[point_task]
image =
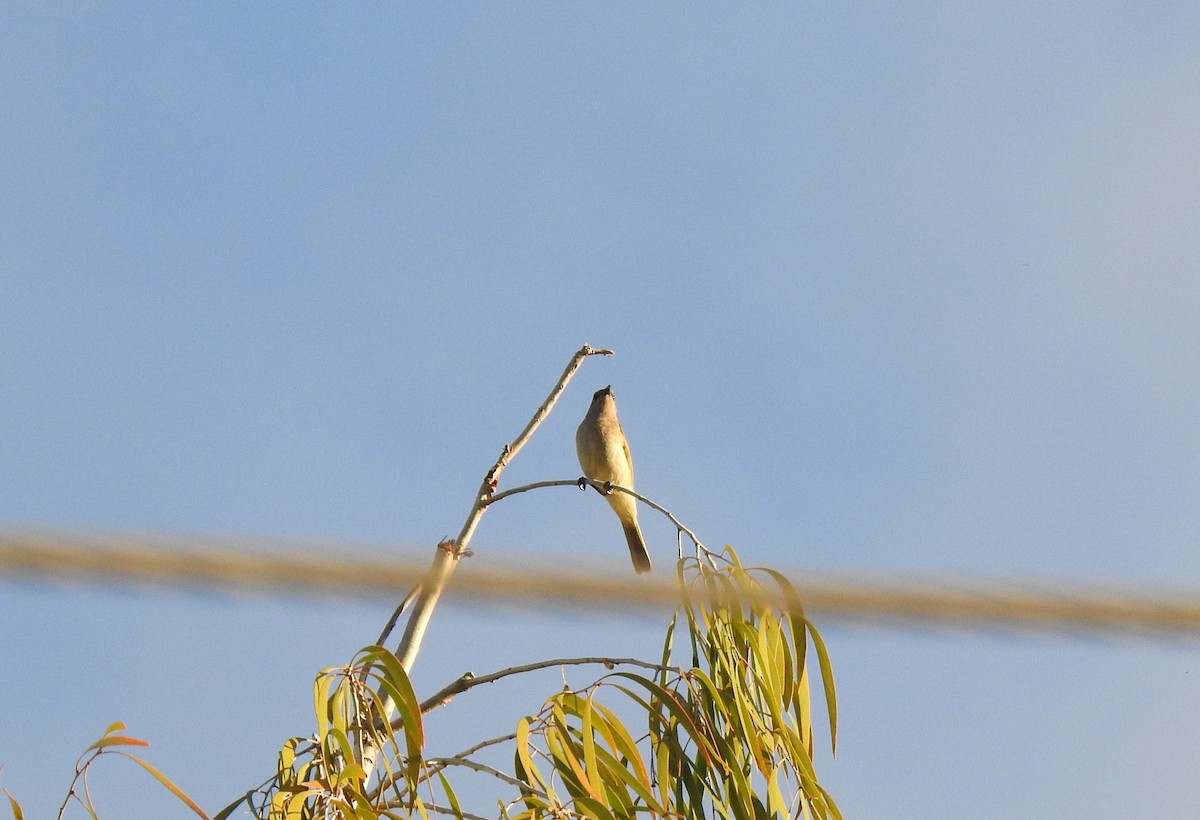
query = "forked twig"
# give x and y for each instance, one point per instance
(449, 552)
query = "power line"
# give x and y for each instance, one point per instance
(240, 566)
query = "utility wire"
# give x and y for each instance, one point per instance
(228, 565)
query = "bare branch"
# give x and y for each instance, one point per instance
(510, 450)
(604, 488)
(537, 485)
(483, 744)
(450, 551)
(434, 807)
(470, 681)
(443, 762)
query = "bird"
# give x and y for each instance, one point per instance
(604, 456)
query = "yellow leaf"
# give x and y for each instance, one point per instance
(117, 740)
(826, 682)
(15, 806)
(166, 782)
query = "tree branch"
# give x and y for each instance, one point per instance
(443, 762)
(604, 488)
(483, 744)
(470, 681)
(434, 807)
(449, 552)
(437, 764)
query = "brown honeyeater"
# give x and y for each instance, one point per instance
(604, 456)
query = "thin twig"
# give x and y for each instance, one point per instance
(483, 744)
(470, 681)
(443, 762)
(391, 624)
(604, 488)
(434, 807)
(387, 781)
(537, 485)
(510, 450)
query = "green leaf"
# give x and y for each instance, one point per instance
(678, 710)
(530, 773)
(794, 612)
(451, 797)
(826, 682)
(776, 803)
(622, 742)
(350, 773)
(227, 812)
(287, 754)
(166, 782)
(338, 746)
(337, 712)
(771, 655)
(591, 767)
(621, 773)
(321, 703)
(417, 804)
(399, 687)
(594, 809)
(668, 646)
(565, 755)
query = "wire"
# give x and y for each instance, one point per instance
(240, 566)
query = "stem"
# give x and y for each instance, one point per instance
(443, 762)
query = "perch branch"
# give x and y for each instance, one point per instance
(604, 488)
(448, 553)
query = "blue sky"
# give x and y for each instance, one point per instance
(899, 290)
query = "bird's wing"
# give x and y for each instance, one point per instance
(628, 458)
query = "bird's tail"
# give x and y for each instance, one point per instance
(637, 549)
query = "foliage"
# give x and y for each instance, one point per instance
(728, 712)
(728, 727)
(728, 735)
(326, 776)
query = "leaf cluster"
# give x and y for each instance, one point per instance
(728, 734)
(325, 775)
